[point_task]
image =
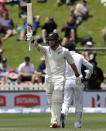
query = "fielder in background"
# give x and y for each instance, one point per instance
(72, 89)
(55, 59)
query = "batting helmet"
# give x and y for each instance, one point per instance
(53, 36)
(70, 46)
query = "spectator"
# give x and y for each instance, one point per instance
(70, 31)
(89, 55)
(12, 2)
(6, 26)
(4, 70)
(94, 83)
(1, 50)
(104, 33)
(48, 27)
(97, 77)
(59, 3)
(24, 30)
(42, 69)
(81, 11)
(103, 2)
(23, 7)
(2, 31)
(0, 42)
(1, 13)
(12, 76)
(26, 71)
(3, 7)
(72, 14)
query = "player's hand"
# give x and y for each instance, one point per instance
(79, 80)
(88, 74)
(29, 37)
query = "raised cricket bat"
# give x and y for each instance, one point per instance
(29, 21)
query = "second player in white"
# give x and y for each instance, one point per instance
(73, 90)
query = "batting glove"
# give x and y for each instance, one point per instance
(87, 74)
(29, 37)
(79, 80)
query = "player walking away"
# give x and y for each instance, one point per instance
(55, 59)
(72, 89)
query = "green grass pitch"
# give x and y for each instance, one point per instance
(41, 122)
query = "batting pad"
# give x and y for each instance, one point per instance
(65, 108)
(56, 106)
(49, 95)
(78, 116)
(78, 99)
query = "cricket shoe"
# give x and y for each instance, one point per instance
(54, 125)
(78, 124)
(63, 120)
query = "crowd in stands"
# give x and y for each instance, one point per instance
(26, 71)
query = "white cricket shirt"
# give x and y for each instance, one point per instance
(56, 60)
(78, 60)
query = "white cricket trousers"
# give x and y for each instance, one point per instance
(54, 91)
(72, 91)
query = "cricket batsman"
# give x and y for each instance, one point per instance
(72, 89)
(55, 59)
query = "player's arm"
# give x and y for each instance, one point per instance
(70, 61)
(35, 45)
(78, 76)
(89, 67)
(73, 66)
